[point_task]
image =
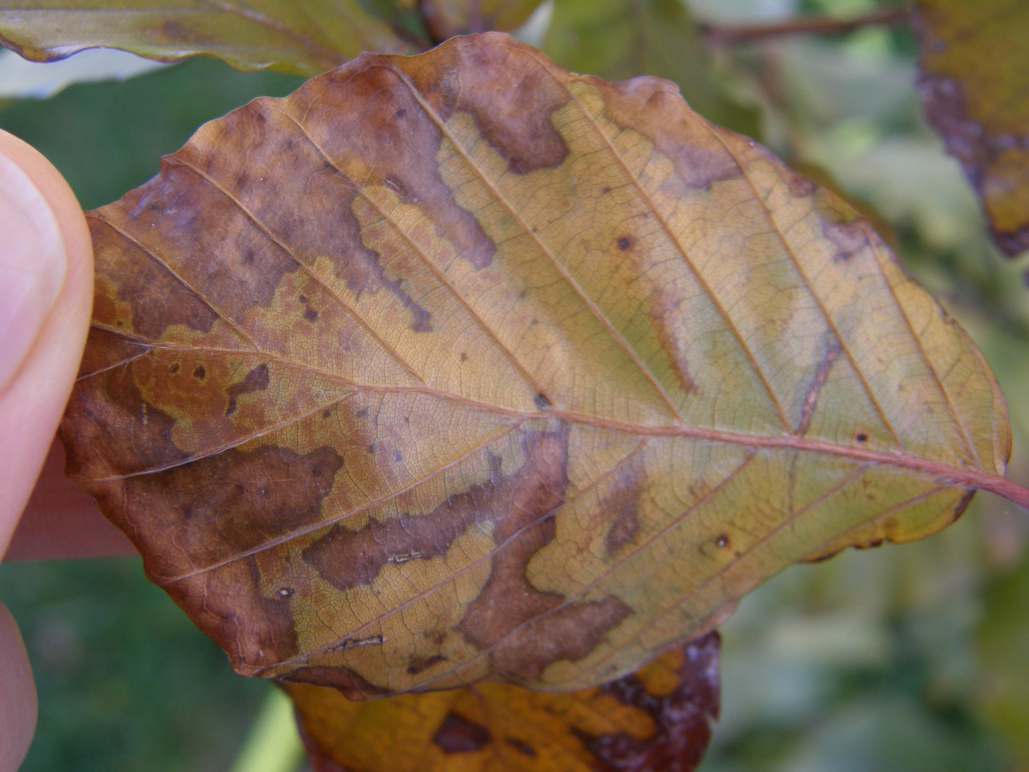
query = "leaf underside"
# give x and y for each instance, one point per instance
(461, 367)
(657, 719)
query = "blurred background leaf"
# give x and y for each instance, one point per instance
(975, 74)
(445, 18)
(298, 36)
(618, 39)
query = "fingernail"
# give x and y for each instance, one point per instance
(32, 266)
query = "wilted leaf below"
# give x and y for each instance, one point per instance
(459, 367)
(657, 719)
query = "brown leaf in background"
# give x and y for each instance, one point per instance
(657, 719)
(459, 367)
(975, 87)
(446, 18)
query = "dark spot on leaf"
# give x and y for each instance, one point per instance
(624, 242)
(199, 372)
(398, 456)
(459, 735)
(173, 368)
(522, 747)
(464, 356)
(310, 314)
(420, 665)
(541, 401)
(861, 437)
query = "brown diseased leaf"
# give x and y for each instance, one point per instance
(657, 719)
(303, 37)
(460, 367)
(975, 87)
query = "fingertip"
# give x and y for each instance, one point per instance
(49, 251)
(62, 201)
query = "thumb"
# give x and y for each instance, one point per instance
(46, 291)
(46, 288)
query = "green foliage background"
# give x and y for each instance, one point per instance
(902, 658)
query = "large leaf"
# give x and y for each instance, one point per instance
(299, 36)
(657, 719)
(975, 74)
(458, 366)
(623, 38)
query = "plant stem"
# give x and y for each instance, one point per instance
(272, 744)
(815, 25)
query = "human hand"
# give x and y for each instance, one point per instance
(46, 293)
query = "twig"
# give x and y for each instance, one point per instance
(815, 25)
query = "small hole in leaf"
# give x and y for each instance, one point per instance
(722, 541)
(285, 592)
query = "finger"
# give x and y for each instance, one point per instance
(46, 289)
(62, 521)
(17, 695)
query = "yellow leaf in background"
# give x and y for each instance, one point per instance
(657, 719)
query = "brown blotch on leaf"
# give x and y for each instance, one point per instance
(850, 238)
(519, 126)
(256, 380)
(348, 558)
(422, 664)
(459, 735)
(155, 294)
(624, 500)
(113, 406)
(523, 628)
(350, 683)
(217, 506)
